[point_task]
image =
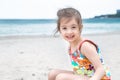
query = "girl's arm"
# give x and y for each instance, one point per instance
(89, 50)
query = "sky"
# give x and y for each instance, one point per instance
(44, 9)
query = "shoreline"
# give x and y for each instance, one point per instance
(56, 36)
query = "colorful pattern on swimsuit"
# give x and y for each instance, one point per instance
(81, 65)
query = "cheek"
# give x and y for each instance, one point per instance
(63, 34)
(77, 32)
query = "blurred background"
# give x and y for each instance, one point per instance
(38, 17)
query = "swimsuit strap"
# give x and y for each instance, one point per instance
(79, 48)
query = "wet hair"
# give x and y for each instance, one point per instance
(68, 13)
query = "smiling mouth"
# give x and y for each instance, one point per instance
(70, 37)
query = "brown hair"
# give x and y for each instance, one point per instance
(68, 13)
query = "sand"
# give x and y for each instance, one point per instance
(32, 57)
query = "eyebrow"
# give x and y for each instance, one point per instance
(63, 26)
(71, 25)
(74, 24)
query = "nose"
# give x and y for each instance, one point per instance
(69, 31)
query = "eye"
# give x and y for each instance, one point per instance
(64, 28)
(73, 27)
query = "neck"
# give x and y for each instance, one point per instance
(75, 44)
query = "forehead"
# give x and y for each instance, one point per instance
(68, 20)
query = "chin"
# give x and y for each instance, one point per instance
(70, 40)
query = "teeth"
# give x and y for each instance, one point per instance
(70, 36)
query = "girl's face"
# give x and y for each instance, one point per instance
(69, 29)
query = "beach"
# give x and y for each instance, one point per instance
(33, 57)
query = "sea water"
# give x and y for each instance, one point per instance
(16, 27)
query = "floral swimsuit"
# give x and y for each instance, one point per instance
(82, 66)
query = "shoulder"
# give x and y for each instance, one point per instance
(88, 47)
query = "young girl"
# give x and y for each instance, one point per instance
(85, 55)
